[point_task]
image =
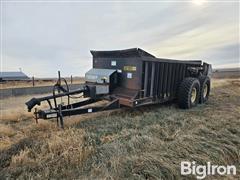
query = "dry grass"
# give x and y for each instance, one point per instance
(6, 131)
(13, 109)
(145, 143)
(14, 115)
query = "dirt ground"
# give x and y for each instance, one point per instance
(143, 143)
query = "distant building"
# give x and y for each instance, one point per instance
(13, 76)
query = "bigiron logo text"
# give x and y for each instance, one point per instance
(201, 171)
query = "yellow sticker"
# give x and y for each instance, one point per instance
(129, 68)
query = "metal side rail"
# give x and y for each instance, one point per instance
(74, 109)
(37, 101)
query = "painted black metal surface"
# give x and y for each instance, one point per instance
(135, 64)
(161, 79)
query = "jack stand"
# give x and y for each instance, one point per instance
(60, 115)
(36, 115)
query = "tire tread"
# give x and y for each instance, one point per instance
(184, 92)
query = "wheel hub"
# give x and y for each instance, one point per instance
(205, 90)
(193, 95)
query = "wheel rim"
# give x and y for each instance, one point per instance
(193, 95)
(205, 90)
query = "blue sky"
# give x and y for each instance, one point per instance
(44, 37)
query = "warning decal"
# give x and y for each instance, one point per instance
(129, 68)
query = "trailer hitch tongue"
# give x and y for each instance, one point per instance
(31, 103)
(37, 101)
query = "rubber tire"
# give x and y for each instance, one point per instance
(204, 80)
(185, 90)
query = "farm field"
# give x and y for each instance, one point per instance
(38, 82)
(143, 143)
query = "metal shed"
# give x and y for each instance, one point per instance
(13, 76)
